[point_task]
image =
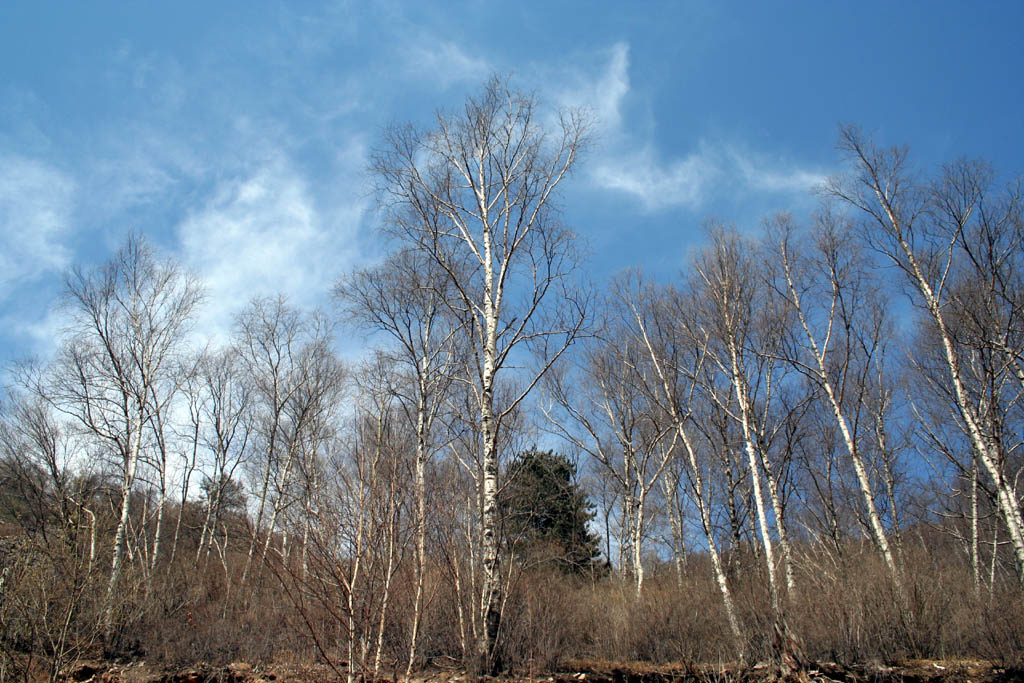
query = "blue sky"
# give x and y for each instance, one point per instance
(235, 134)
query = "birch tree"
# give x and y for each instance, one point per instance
(603, 410)
(226, 424)
(287, 356)
(838, 339)
(129, 320)
(474, 194)
(744, 333)
(405, 298)
(677, 352)
(938, 235)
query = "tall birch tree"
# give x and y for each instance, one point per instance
(405, 298)
(933, 232)
(677, 350)
(129, 321)
(744, 335)
(603, 410)
(475, 194)
(838, 338)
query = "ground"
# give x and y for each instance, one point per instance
(916, 671)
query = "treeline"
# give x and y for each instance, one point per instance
(807, 447)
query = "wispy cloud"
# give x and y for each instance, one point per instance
(36, 204)
(656, 184)
(155, 77)
(264, 234)
(710, 172)
(629, 162)
(39, 331)
(759, 172)
(444, 62)
(600, 93)
(143, 166)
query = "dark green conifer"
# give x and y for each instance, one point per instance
(546, 514)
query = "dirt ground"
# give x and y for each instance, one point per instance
(578, 672)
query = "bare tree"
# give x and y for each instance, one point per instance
(286, 355)
(129, 320)
(405, 298)
(603, 410)
(677, 352)
(166, 440)
(37, 453)
(475, 195)
(744, 333)
(50, 603)
(840, 335)
(225, 421)
(947, 238)
(354, 539)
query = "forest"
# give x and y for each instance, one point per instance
(804, 448)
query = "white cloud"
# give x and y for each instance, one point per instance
(41, 329)
(629, 162)
(709, 172)
(601, 94)
(36, 203)
(444, 63)
(761, 173)
(261, 235)
(659, 185)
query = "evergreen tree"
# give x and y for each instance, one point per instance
(545, 513)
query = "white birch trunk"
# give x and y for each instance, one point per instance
(92, 539)
(780, 526)
(491, 594)
(389, 572)
(626, 531)
(739, 387)
(638, 556)
(204, 530)
(992, 564)
(459, 597)
(1006, 498)
(158, 532)
(705, 520)
(975, 551)
(823, 378)
(421, 529)
(122, 528)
